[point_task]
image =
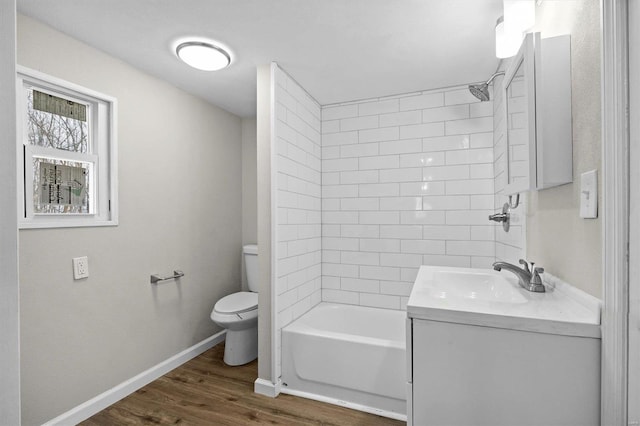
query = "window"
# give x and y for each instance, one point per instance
(67, 137)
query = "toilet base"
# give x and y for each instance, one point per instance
(241, 346)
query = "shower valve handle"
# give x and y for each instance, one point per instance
(499, 217)
(503, 217)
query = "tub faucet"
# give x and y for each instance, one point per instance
(529, 279)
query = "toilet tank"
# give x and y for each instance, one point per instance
(250, 252)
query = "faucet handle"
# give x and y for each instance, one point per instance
(535, 278)
(525, 265)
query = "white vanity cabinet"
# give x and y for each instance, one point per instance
(537, 115)
(482, 357)
(473, 375)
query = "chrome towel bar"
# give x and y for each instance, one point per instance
(176, 274)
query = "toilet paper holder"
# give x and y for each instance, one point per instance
(155, 278)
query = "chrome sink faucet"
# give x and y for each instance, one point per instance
(528, 278)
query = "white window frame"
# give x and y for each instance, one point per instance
(102, 154)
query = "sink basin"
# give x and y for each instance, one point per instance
(485, 286)
(485, 297)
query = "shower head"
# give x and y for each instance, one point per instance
(481, 91)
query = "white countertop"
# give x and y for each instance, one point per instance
(562, 309)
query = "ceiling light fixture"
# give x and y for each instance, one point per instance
(203, 56)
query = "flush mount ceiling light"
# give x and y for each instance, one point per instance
(203, 56)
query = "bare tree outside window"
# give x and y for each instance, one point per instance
(51, 130)
(68, 139)
(79, 185)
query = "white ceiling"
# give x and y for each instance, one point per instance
(339, 50)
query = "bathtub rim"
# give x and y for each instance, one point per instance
(298, 326)
(346, 337)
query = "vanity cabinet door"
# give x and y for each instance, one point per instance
(476, 375)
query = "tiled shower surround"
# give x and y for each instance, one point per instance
(298, 232)
(509, 245)
(406, 181)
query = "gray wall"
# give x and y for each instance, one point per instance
(249, 182)
(180, 188)
(557, 238)
(249, 187)
(9, 288)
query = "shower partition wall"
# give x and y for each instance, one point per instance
(297, 202)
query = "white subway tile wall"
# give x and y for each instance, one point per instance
(406, 181)
(299, 198)
(510, 246)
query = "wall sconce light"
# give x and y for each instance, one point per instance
(519, 17)
(506, 45)
(203, 56)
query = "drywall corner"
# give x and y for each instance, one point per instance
(263, 138)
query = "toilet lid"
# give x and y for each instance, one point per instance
(237, 302)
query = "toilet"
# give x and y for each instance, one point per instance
(238, 314)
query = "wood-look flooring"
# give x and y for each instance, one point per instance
(205, 391)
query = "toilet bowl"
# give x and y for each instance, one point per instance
(238, 314)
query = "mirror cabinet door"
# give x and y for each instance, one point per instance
(517, 152)
(519, 107)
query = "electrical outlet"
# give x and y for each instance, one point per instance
(80, 267)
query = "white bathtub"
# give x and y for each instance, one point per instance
(348, 355)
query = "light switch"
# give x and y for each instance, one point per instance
(589, 195)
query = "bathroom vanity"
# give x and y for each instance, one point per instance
(482, 350)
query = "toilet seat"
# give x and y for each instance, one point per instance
(237, 303)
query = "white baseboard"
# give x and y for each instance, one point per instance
(351, 405)
(266, 388)
(115, 394)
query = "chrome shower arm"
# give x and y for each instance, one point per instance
(494, 76)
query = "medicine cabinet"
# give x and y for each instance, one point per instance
(537, 115)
